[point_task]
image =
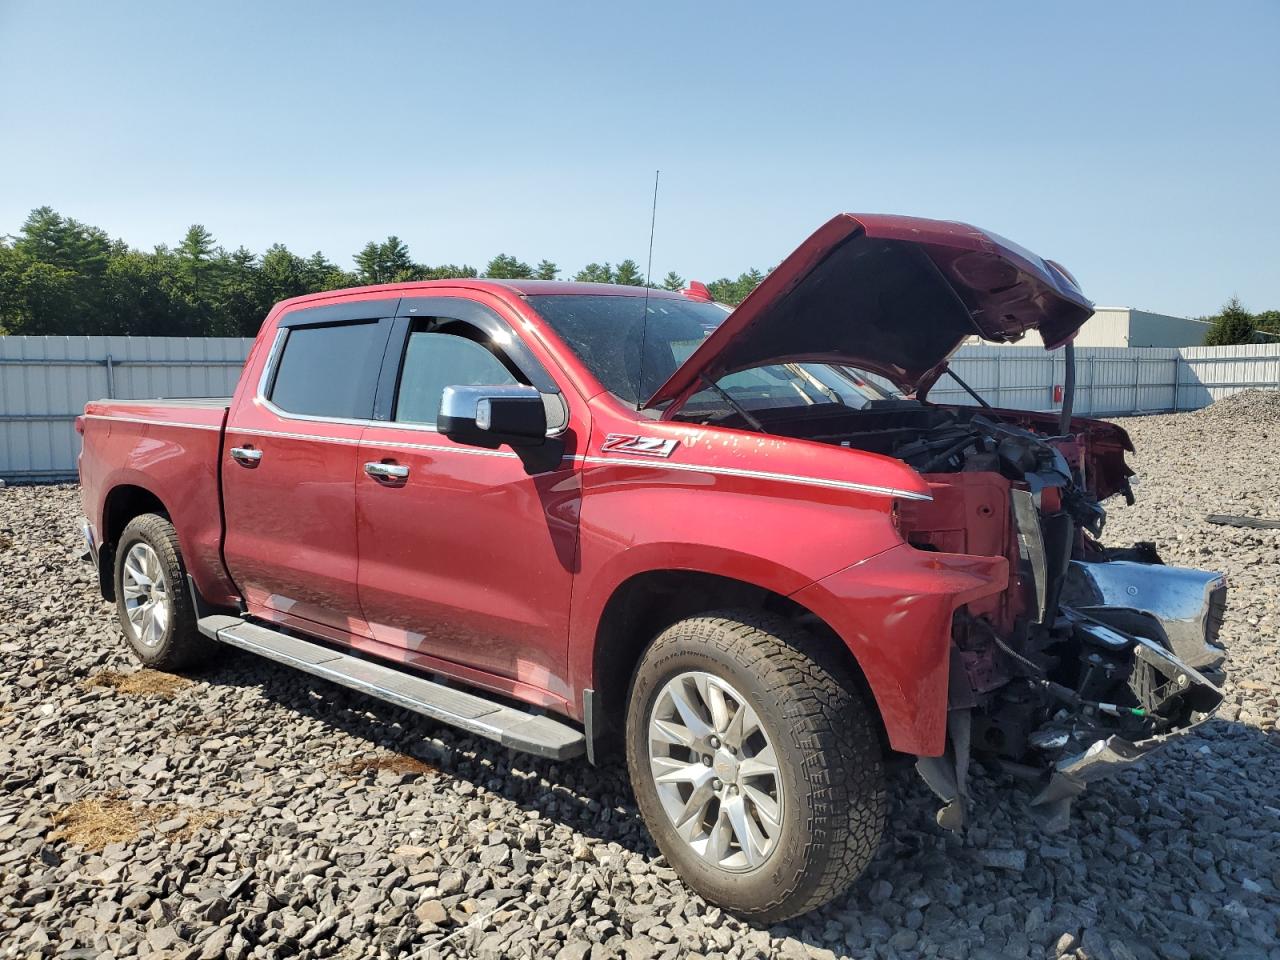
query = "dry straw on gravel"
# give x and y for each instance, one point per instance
(95, 822)
(142, 683)
(393, 762)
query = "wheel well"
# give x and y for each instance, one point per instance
(123, 503)
(648, 603)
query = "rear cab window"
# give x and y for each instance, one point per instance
(329, 370)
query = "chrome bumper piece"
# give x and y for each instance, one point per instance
(1104, 758)
(1187, 604)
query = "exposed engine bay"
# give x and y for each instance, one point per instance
(1094, 655)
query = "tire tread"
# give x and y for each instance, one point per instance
(185, 647)
(833, 731)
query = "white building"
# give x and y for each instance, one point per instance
(1128, 327)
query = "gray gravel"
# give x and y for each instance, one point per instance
(254, 812)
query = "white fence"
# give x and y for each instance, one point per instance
(1111, 381)
(46, 381)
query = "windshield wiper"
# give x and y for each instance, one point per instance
(800, 372)
(738, 408)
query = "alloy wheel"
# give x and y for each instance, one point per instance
(715, 770)
(146, 595)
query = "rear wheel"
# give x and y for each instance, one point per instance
(152, 602)
(755, 762)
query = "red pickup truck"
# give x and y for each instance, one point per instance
(740, 546)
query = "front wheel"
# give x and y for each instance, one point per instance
(755, 762)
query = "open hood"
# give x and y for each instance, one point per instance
(893, 295)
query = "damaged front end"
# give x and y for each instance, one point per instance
(1094, 657)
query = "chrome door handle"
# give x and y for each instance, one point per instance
(247, 456)
(391, 471)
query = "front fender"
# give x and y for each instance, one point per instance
(893, 611)
(776, 536)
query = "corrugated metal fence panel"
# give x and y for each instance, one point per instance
(1111, 380)
(1210, 373)
(1116, 380)
(1108, 379)
(46, 381)
(1018, 377)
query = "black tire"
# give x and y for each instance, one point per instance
(180, 645)
(827, 746)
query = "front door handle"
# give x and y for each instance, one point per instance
(389, 471)
(246, 456)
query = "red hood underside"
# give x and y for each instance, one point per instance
(893, 295)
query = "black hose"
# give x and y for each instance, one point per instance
(1068, 387)
(939, 459)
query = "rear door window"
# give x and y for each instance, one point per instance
(330, 371)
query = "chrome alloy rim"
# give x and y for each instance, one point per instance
(716, 772)
(146, 597)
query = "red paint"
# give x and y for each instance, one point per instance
(697, 290)
(171, 454)
(475, 568)
(470, 560)
(1007, 291)
(894, 611)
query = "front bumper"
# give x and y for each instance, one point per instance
(1071, 774)
(1103, 758)
(1187, 605)
(1166, 619)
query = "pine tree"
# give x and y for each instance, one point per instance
(506, 267)
(1233, 324)
(673, 282)
(195, 253)
(595, 273)
(628, 273)
(545, 270)
(384, 262)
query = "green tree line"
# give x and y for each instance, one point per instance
(1234, 324)
(61, 276)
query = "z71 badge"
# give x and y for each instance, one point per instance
(643, 446)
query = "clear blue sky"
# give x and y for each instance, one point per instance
(1137, 143)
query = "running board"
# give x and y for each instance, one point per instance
(532, 733)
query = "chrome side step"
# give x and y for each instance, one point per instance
(532, 733)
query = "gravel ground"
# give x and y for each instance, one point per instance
(253, 812)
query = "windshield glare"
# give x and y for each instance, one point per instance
(632, 359)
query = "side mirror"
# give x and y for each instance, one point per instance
(489, 416)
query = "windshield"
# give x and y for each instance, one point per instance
(606, 333)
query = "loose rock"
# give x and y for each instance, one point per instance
(255, 802)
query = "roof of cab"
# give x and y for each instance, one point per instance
(523, 288)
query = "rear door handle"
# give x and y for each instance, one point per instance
(246, 456)
(390, 471)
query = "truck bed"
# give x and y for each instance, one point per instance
(168, 451)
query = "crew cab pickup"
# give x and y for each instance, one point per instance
(741, 548)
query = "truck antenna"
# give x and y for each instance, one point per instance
(644, 320)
